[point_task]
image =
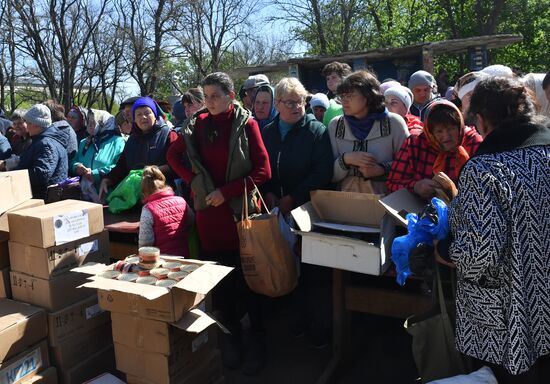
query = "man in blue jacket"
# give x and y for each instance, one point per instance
(46, 158)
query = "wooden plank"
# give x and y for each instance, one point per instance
(385, 302)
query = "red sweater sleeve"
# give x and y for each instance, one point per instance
(402, 173)
(261, 171)
(174, 156)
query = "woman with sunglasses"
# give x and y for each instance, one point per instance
(366, 138)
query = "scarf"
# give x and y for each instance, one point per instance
(460, 154)
(362, 127)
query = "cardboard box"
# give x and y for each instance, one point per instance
(16, 189)
(48, 376)
(21, 325)
(99, 362)
(191, 333)
(53, 295)
(57, 260)
(25, 365)
(160, 369)
(209, 372)
(400, 203)
(5, 287)
(4, 226)
(56, 223)
(72, 351)
(76, 319)
(152, 302)
(105, 378)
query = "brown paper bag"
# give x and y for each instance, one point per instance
(267, 261)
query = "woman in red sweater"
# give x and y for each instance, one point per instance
(225, 148)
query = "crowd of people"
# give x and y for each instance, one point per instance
(489, 134)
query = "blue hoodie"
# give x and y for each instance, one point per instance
(46, 160)
(272, 113)
(5, 148)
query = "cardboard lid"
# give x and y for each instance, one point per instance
(352, 208)
(49, 210)
(14, 312)
(196, 321)
(401, 202)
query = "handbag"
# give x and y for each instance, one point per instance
(267, 261)
(433, 340)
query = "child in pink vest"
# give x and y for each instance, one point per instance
(166, 219)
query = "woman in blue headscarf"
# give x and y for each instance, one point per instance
(264, 106)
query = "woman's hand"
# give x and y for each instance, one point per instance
(215, 198)
(104, 188)
(425, 188)
(372, 171)
(81, 170)
(360, 159)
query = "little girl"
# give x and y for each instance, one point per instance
(166, 219)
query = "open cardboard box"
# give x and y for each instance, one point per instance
(350, 212)
(16, 189)
(152, 302)
(400, 203)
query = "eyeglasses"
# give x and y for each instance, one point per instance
(348, 96)
(290, 104)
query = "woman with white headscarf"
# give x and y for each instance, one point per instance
(99, 152)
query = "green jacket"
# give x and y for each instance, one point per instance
(238, 165)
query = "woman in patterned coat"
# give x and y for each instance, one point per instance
(500, 222)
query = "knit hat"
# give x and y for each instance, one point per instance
(255, 81)
(402, 93)
(319, 100)
(420, 78)
(145, 102)
(387, 85)
(128, 101)
(39, 115)
(498, 70)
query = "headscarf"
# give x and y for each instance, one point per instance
(105, 127)
(272, 113)
(461, 154)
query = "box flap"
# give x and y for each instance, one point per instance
(149, 292)
(401, 202)
(304, 216)
(91, 268)
(348, 207)
(203, 279)
(15, 187)
(194, 321)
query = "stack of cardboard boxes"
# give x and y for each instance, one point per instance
(158, 337)
(46, 242)
(23, 347)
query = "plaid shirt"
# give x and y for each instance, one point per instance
(416, 158)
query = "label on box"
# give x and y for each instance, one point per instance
(198, 341)
(16, 371)
(93, 311)
(87, 248)
(71, 226)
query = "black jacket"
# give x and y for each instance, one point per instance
(300, 163)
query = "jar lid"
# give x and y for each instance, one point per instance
(128, 277)
(160, 273)
(133, 259)
(177, 275)
(109, 274)
(148, 265)
(119, 265)
(149, 251)
(144, 273)
(171, 265)
(149, 280)
(167, 283)
(189, 267)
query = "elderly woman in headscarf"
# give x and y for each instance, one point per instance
(444, 146)
(77, 118)
(98, 153)
(263, 108)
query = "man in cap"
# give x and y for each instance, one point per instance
(250, 87)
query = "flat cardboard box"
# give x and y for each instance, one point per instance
(56, 223)
(209, 372)
(194, 329)
(344, 252)
(99, 362)
(4, 226)
(75, 320)
(16, 189)
(53, 295)
(351, 208)
(400, 203)
(152, 302)
(21, 325)
(48, 376)
(57, 260)
(26, 364)
(5, 287)
(105, 378)
(72, 351)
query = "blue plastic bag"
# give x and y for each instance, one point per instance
(422, 230)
